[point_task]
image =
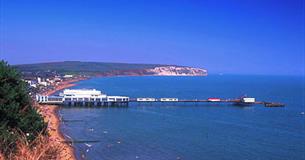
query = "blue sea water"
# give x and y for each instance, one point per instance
(192, 132)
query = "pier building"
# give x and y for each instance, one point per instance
(146, 99)
(169, 99)
(83, 97)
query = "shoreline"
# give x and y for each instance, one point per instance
(51, 116)
(63, 85)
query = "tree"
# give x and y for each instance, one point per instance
(17, 114)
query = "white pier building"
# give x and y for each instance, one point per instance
(83, 97)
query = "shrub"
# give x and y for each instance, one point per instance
(17, 114)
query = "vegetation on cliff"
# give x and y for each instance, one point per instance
(77, 67)
(106, 69)
(18, 117)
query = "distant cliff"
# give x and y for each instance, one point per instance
(177, 71)
(108, 69)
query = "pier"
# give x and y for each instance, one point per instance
(95, 98)
(238, 102)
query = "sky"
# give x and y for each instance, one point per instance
(222, 36)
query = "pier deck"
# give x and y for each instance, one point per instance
(233, 101)
(92, 97)
(188, 100)
(134, 100)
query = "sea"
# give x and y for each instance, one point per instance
(190, 131)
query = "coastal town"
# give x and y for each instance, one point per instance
(48, 85)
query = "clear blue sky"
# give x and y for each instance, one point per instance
(224, 36)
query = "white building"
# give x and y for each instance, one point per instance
(117, 99)
(91, 95)
(83, 95)
(169, 99)
(49, 99)
(31, 83)
(40, 81)
(146, 99)
(41, 99)
(68, 76)
(248, 100)
(44, 83)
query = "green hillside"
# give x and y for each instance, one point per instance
(83, 67)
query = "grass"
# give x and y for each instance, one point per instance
(41, 148)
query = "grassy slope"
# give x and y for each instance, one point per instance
(82, 67)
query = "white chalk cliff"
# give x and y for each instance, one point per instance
(177, 71)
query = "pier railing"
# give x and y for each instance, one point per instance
(90, 103)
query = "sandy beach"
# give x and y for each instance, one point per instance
(50, 114)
